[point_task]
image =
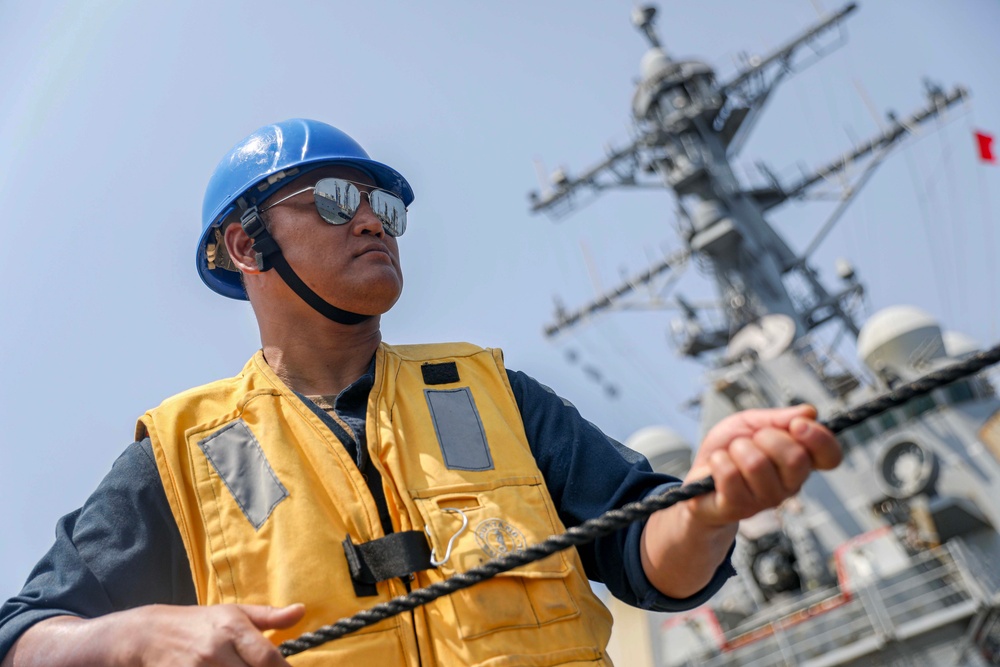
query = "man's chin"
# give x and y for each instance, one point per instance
(374, 304)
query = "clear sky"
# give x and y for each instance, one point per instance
(113, 115)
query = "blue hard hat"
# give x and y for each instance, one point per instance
(267, 160)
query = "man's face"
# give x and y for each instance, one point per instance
(354, 266)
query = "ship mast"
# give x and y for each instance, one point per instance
(687, 128)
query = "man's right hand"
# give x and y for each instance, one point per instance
(158, 636)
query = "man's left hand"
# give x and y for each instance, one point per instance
(758, 459)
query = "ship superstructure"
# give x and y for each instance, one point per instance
(890, 559)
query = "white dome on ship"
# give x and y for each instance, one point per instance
(655, 64)
(900, 340)
(666, 450)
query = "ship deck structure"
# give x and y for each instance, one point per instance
(891, 558)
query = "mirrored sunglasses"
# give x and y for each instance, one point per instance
(338, 199)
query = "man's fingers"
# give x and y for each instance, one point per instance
(759, 458)
(824, 450)
(744, 424)
(755, 473)
(791, 459)
(777, 417)
(255, 649)
(760, 473)
(723, 505)
(273, 618)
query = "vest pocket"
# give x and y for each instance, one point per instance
(509, 601)
(503, 517)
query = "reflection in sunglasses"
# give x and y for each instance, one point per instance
(338, 199)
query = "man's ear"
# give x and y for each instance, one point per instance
(240, 248)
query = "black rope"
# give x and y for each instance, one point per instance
(616, 519)
(923, 385)
(587, 531)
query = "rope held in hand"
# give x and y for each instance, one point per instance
(617, 519)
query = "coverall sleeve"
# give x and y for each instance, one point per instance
(587, 474)
(120, 550)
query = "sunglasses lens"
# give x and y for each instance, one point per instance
(390, 210)
(337, 200)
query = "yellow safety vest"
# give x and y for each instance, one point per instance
(264, 494)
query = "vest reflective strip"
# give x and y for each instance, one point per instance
(238, 459)
(459, 429)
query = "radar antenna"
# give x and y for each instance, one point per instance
(687, 128)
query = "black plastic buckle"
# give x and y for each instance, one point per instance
(263, 243)
(251, 223)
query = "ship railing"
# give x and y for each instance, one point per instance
(934, 591)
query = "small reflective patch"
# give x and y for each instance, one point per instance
(238, 459)
(498, 538)
(459, 429)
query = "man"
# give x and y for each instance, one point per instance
(335, 472)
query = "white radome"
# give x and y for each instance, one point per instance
(901, 339)
(666, 450)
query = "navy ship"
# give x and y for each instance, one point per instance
(892, 558)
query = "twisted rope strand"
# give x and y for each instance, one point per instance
(587, 531)
(616, 519)
(922, 385)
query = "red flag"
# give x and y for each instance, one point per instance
(985, 143)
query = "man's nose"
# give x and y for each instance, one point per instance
(365, 221)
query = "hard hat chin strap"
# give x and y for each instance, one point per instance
(269, 256)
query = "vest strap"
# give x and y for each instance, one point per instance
(269, 256)
(393, 556)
